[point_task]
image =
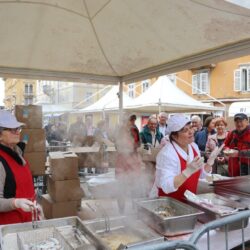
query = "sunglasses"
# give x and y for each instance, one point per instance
(13, 130)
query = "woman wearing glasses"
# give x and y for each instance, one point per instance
(16, 185)
(178, 164)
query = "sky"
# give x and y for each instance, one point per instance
(1, 92)
(242, 3)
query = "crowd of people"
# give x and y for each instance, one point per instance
(208, 135)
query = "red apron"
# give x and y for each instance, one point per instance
(24, 189)
(128, 164)
(190, 184)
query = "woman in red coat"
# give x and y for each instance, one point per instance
(16, 185)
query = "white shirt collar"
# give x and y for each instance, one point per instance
(187, 157)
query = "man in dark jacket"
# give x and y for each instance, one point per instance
(239, 140)
(150, 134)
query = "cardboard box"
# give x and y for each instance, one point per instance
(68, 190)
(53, 209)
(81, 160)
(91, 160)
(36, 162)
(31, 115)
(63, 166)
(34, 139)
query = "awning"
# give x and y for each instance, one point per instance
(117, 41)
(239, 107)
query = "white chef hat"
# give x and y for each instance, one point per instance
(176, 123)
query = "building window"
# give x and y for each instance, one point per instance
(172, 78)
(145, 86)
(131, 90)
(200, 83)
(242, 79)
(28, 101)
(28, 89)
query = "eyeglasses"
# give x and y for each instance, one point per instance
(13, 130)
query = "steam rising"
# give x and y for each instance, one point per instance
(134, 179)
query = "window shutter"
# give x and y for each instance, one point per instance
(204, 82)
(237, 80)
(248, 79)
(194, 84)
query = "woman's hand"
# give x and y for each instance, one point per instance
(221, 160)
(24, 204)
(193, 166)
(214, 154)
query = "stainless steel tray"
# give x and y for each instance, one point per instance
(233, 195)
(123, 232)
(9, 233)
(212, 201)
(181, 222)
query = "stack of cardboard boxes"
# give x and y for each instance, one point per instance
(64, 191)
(34, 136)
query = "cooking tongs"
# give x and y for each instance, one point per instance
(105, 215)
(34, 214)
(103, 212)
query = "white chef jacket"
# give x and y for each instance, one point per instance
(168, 165)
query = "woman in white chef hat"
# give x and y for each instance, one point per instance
(178, 164)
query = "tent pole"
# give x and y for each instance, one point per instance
(159, 106)
(120, 96)
(103, 114)
(190, 85)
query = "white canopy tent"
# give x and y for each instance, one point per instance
(239, 107)
(108, 103)
(163, 95)
(55, 109)
(111, 41)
